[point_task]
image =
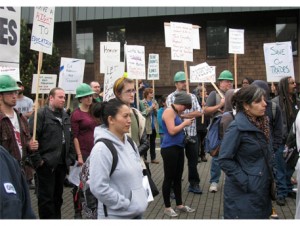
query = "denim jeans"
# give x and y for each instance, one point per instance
(215, 170)
(282, 174)
(191, 152)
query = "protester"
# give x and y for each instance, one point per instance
(172, 151)
(25, 106)
(246, 158)
(15, 137)
(289, 104)
(148, 107)
(97, 89)
(124, 90)
(15, 199)
(247, 81)
(192, 146)
(55, 154)
(83, 125)
(120, 195)
(160, 112)
(214, 107)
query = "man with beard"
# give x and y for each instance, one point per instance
(55, 154)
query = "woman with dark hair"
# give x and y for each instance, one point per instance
(247, 81)
(289, 104)
(120, 195)
(245, 157)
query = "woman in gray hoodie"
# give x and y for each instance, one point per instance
(122, 194)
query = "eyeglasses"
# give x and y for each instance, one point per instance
(292, 82)
(11, 93)
(130, 91)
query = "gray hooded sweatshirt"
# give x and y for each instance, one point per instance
(122, 192)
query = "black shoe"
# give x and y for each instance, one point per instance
(195, 189)
(280, 201)
(77, 216)
(292, 195)
(68, 184)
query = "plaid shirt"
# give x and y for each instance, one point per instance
(191, 130)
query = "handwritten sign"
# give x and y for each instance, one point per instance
(109, 52)
(47, 82)
(10, 36)
(153, 67)
(71, 74)
(278, 60)
(195, 36)
(136, 62)
(203, 73)
(181, 41)
(113, 71)
(12, 71)
(236, 41)
(42, 30)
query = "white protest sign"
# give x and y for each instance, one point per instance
(10, 36)
(278, 60)
(71, 74)
(13, 72)
(236, 41)
(195, 36)
(153, 67)
(47, 82)
(202, 73)
(109, 52)
(135, 56)
(181, 41)
(42, 29)
(113, 71)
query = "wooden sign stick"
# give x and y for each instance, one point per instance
(217, 89)
(235, 71)
(186, 77)
(40, 61)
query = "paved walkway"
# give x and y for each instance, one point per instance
(208, 205)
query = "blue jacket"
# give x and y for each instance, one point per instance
(247, 183)
(14, 195)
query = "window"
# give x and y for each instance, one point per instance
(286, 30)
(217, 39)
(117, 34)
(85, 45)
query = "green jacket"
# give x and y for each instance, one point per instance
(147, 113)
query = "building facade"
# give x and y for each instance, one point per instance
(145, 26)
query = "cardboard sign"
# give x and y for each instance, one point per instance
(135, 56)
(42, 29)
(13, 72)
(10, 37)
(109, 52)
(202, 73)
(112, 73)
(153, 67)
(47, 82)
(278, 60)
(236, 41)
(181, 41)
(71, 74)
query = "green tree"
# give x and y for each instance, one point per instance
(29, 60)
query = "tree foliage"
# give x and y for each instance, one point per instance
(29, 60)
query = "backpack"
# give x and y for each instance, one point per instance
(213, 138)
(88, 200)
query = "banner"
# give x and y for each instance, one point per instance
(202, 73)
(236, 41)
(153, 67)
(109, 52)
(112, 73)
(47, 82)
(10, 37)
(135, 56)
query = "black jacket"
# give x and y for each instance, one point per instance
(14, 195)
(49, 135)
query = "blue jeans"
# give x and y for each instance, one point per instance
(191, 152)
(215, 170)
(282, 174)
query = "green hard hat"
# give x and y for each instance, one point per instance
(8, 84)
(179, 76)
(83, 90)
(226, 75)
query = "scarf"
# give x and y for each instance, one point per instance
(262, 123)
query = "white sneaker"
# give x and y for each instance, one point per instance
(213, 187)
